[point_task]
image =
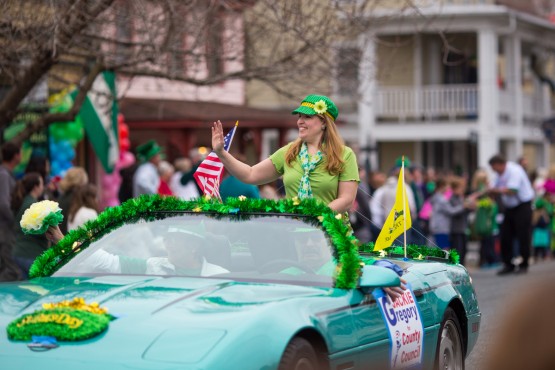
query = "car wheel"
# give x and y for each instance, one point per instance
(450, 354)
(299, 355)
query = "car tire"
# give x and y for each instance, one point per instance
(450, 355)
(299, 355)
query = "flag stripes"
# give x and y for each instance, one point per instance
(209, 173)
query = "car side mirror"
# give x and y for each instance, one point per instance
(377, 277)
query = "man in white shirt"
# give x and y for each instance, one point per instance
(384, 197)
(146, 179)
(185, 255)
(184, 245)
(516, 193)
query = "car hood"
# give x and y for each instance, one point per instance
(123, 294)
(154, 315)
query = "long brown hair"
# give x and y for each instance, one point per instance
(332, 147)
(84, 196)
(23, 187)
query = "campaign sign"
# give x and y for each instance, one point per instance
(406, 332)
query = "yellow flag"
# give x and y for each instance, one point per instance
(399, 218)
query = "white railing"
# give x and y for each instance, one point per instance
(452, 102)
(427, 102)
(506, 105)
(533, 107)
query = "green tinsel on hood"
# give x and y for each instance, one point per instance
(148, 207)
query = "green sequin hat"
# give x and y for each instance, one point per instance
(318, 104)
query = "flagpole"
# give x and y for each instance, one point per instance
(233, 134)
(404, 206)
(217, 182)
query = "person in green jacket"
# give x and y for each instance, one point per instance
(315, 165)
(27, 247)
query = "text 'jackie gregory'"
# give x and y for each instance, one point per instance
(404, 314)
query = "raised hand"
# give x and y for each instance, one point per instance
(217, 137)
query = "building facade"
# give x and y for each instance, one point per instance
(452, 83)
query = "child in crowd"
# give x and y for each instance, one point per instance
(541, 237)
(459, 219)
(485, 225)
(442, 212)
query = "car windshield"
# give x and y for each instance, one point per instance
(265, 248)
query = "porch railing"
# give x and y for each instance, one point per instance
(428, 102)
(451, 102)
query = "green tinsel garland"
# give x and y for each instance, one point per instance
(415, 252)
(44, 323)
(148, 207)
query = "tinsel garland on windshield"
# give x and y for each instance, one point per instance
(148, 207)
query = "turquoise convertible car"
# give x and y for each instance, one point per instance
(159, 283)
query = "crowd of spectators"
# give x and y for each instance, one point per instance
(508, 211)
(447, 210)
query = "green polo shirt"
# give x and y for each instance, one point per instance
(324, 186)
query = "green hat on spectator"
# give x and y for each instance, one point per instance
(148, 150)
(540, 203)
(399, 162)
(318, 104)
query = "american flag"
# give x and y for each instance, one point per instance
(209, 173)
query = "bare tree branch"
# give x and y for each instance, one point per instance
(72, 23)
(292, 44)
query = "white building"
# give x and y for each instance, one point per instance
(452, 83)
